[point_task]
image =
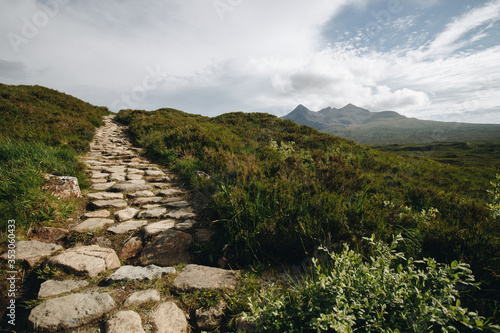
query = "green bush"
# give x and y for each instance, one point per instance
(384, 293)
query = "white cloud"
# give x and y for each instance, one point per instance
(255, 56)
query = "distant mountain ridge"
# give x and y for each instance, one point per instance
(389, 127)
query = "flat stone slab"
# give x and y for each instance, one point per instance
(169, 318)
(141, 297)
(197, 277)
(152, 213)
(32, 251)
(86, 260)
(157, 227)
(102, 213)
(134, 273)
(170, 192)
(182, 213)
(103, 187)
(131, 248)
(177, 204)
(126, 214)
(146, 200)
(104, 196)
(134, 176)
(155, 173)
(54, 288)
(167, 249)
(117, 203)
(125, 321)
(141, 194)
(127, 226)
(92, 224)
(130, 187)
(71, 311)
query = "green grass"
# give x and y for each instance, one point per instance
(41, 131)
(38, 114)
(278, 190)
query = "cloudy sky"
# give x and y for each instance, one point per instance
(431, 59)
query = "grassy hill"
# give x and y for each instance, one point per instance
(278, 190)
(41, 131)
(388, 127)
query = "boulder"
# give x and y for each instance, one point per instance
(167, 249)
(125, 321)
(86, 260)
(62, 187)
(169, 318)
(54, 288)
(32, 251)
(71, 311)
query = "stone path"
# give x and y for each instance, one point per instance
(142, 219)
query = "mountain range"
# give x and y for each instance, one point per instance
(389, 127)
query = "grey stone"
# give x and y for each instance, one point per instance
(182, 213)
(129, 187)
(55, 288)
(186, 225)
(152, 213)
(90, 260)
(117, 177)
(102, 213)
(157, 227)
(141, 194)
(32, 251)
(125, 321)
(103, 187)
(134, 176)
(169, 318)
(141, 297)
(154, 173)
(167, 249)
(126, 214)
(170, 192)
(133, 273)
(71, 311)
(92, 224)
(141, 201)
(196, 277)
(127, 226)
(98, 174)
(116, 203)
(177, 204)
(104, 196)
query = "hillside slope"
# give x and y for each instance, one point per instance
(389, 127)
(41, 131)
(39, 114)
